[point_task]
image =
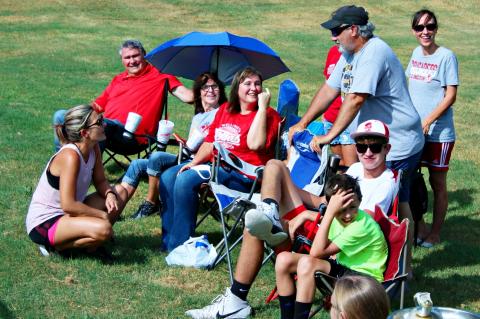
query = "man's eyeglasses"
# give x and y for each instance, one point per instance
(374, 147)
(206, 87)
(338, 30)
(98, 122)
(421, 27)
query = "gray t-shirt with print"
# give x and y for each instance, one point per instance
(428, 76)
(376, 70)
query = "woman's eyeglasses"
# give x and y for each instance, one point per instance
(338, 30)
(98, 122)
(374, 147)
(421, 27)
(206, 87)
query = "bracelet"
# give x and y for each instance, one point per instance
(110, 191)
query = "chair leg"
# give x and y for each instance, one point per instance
(227, 251)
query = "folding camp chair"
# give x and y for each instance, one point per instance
(147, 148)
(395, 273)
(287, 107)
(232, 204)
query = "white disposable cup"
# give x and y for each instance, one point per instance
(195, 140)
(165, 129)
(131, 125)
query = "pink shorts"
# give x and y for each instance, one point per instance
(51, 233)
(436, 155)
(44, 234)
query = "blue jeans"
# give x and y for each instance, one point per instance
(153, 166)
(179, 194)
(113, 131)
(408, 166)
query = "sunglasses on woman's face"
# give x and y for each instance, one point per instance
(374, 147)
(98, 122)
(421, 27)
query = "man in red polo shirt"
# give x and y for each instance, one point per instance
(140, 89)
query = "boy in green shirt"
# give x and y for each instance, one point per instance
(345, 231)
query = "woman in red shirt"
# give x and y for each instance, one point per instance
(247, 127)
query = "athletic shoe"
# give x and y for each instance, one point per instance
(146, 209)
(264, 223)
(43, 250)
(223, 306)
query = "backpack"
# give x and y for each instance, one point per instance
(418, 195)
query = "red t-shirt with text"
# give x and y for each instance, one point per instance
(231, 130)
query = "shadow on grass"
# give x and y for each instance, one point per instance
(447, 270)
(458, 200)
(5, 313)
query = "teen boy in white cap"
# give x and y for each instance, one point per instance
(378, 183)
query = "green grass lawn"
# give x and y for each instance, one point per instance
(56, 54)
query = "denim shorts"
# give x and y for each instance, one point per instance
(343, 139)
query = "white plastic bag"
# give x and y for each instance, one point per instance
(195, 252)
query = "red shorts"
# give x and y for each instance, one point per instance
(436, 155)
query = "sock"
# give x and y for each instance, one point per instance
(271, 201)
(240, 290)
(287, 306)
(302, 310)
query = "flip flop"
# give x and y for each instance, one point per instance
(426, 244)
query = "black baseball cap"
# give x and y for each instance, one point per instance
(351, 15)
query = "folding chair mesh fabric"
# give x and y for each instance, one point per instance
(288, 97)
(307, 167)
(396, 237)
(232, 203)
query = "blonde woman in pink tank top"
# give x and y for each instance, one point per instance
(61, 216)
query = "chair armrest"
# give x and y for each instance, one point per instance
(235, 162)
(179, 139)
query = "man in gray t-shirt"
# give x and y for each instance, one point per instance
(372, 84)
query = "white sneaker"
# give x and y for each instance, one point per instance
(223, 306)
(43, 251)
(264, 223)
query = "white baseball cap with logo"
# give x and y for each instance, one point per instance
(372, 128)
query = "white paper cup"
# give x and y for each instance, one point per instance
(195, 140)
(133, 120)
(165, 129)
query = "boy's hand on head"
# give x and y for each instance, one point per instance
(340, 201)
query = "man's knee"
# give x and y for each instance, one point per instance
(283, 261)
(307, 265)
(274, 165)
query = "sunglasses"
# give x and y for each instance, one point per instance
(98, 122)
(206, 87)
(421, 27)
(374, 147)
(338, 30)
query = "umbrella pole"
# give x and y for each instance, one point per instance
(216, 60)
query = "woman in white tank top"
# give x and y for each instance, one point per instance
(61, 215)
